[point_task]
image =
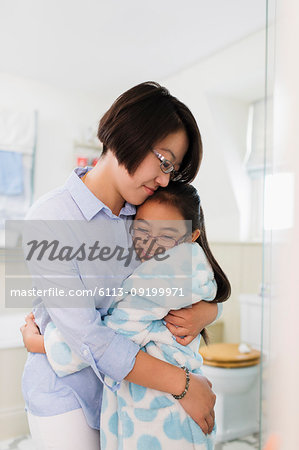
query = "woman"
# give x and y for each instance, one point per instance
(148, 137)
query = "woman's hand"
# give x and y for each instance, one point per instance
(187, 323)
(32, 338)
(199, 402)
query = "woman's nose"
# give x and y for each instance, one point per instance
(163, 179)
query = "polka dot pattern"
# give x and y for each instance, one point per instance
(113, 424)
(127, 425)
(161, 402)
(61, 353)
(191, 432)
(137, 392)
(147, 442)
(145, 415)
(172, 426)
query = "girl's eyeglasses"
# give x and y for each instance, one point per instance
(167, 167)
(162, 240)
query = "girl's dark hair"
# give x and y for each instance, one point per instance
(185, 198)
(142, 116)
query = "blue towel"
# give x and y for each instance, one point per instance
(11, 173)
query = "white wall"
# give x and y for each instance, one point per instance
(284, 399)
(218, 90)
(242, 263)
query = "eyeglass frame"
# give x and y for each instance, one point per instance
(177, 241)
(174, 174)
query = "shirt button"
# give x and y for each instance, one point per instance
(85, 352)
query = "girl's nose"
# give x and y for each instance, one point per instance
(150, 244)
(163, 179)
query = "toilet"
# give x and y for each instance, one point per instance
(234, 371)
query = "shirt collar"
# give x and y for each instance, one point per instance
(88, 203)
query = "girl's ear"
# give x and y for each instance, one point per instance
(195, 235)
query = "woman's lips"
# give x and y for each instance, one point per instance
(149, 190)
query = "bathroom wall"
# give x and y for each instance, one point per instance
(242, 263)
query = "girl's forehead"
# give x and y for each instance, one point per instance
(156, 210)
(160, 216)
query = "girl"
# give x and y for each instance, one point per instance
(148, 137)
(137, 313)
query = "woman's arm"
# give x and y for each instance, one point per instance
(156, 374)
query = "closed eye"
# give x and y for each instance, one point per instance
(142, 230)
(164, 236)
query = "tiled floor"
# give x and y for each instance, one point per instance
(25, 443)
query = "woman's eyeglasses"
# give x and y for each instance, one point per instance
(167, 167)
(162, 240)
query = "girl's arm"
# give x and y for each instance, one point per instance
(33, 340)
(63, 360)
(189, 322)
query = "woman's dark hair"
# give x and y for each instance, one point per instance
(185, 198)
(142, 116)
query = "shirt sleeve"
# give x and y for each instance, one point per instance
(77, 318)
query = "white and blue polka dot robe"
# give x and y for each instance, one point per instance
(132, 416)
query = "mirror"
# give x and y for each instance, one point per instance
(62, 68)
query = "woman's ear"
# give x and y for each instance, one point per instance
(195, 235)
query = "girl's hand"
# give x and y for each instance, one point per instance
(199, 402)
(187, 323)
(32, 338)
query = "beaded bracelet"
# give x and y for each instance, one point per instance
(182, 395)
